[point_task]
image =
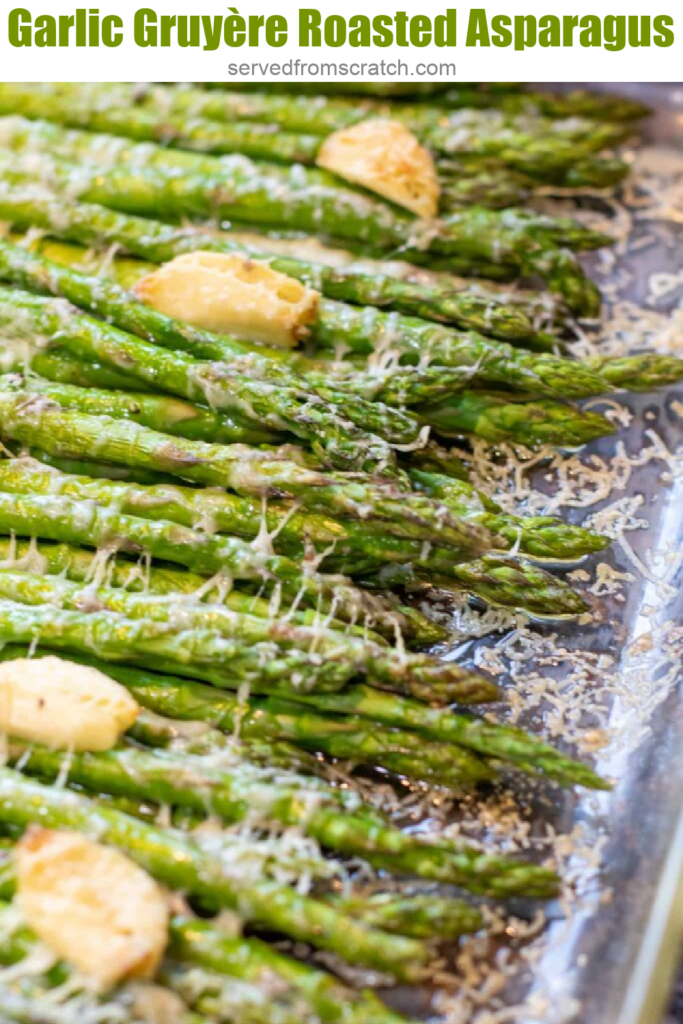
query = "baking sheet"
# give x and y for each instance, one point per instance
(604, 953)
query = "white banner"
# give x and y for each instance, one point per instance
(524, 40)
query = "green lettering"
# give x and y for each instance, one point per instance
(445, 28)
(420, 30)
(477, 28)
(401, 20)
(65, 26)
(255, 24)
(168, 23)
(501, 26)
(384, 35)
(569, 23)
(145, 27)
(639, 30)
(212, 31)
(550, 30)
(335, 30)
(45, 30)
(109, 37)
(20, 32)
(359, 30)
(276, 30)
(666, 36)
(309, 27)
(591, 30)
(525, 31)
(615, 32)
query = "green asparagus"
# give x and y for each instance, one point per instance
(143, 181)
(497, 419)
(501, 581)
(250, 961)
(288, 409)
(420, 916)
(61, 519)
(233, 795)
(118, 569)
(361, 331)
(395, 387)
(181, 863)
(544, 538)
(33, 420)
(417, 674)
(266, 718)
(479, 309)
(530, 143)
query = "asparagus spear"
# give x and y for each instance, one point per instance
(418, 674)
(145, 181)
(407, 387)
(81, 565)
(70, 108)
(72, 390)
(250, 961)
(420, 916)
(253, 961)
(298, 114)
(280, 408)
(356, 546)
(208, 654)
(643, 372)
(512, 582)
(195, 740)
(246, 1006)
(351, 739)
(498, 742)
(264, 718)
(180, 863)
(34, 421)
(494, 364)
(523, 142)
(232, 1002)
(492, 186)
(203, 654)
(189, 783)
(545, 538)
(60, 519)
(502, 581)
(497, 419)
(91, 224)
(534, 145)
(600, 106)
(361, 330)
(152, 730)
(379, 224)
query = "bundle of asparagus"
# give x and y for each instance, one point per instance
(223, 502)
(148, 179)
(500, 148)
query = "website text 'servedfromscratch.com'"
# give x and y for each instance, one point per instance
(302, 69)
